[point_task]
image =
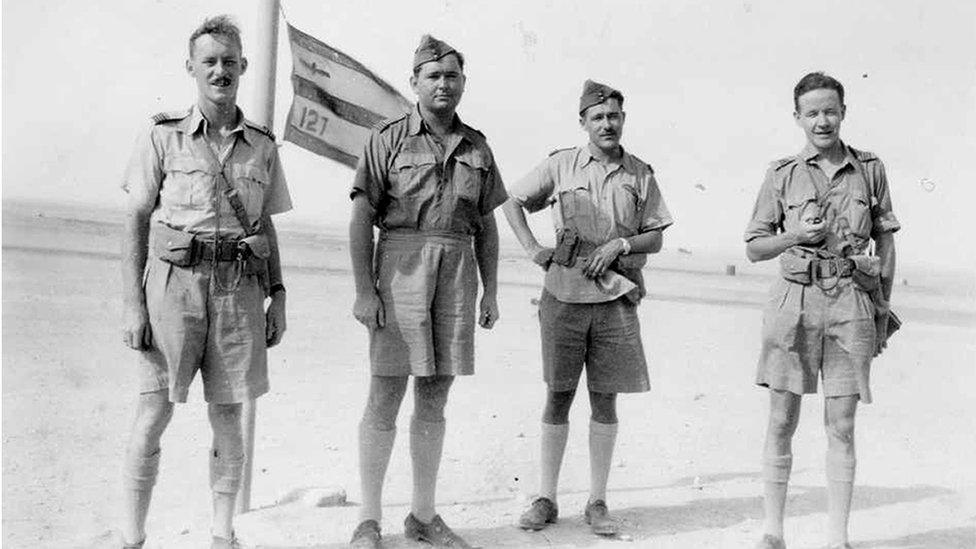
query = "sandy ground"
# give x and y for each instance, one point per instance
(685, 470)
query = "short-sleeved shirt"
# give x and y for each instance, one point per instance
(417, 181)
(175, 171)
(601, 200)
(856, 203)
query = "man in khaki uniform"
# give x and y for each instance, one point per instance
(818, 212)
(429, 183)
(609, 214)
(200, 255)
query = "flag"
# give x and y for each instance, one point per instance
(337, 100)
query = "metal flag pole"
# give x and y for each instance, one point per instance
(263, 65)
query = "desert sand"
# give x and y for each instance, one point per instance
(686, 469)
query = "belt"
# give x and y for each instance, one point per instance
(226, 250)
(830, 268)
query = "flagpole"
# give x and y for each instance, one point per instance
(263, 65)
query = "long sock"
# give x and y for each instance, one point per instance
(602, 438)
(840, 488)
(225, 482)
(426, 445)
(776, 478)
(553, 443)
(139, 477)
(375, 448)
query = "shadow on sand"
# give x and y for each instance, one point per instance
(646, 522)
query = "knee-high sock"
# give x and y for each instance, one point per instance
(840, 487)
(141, 471)
(375, 448)
(426, 445)
(225, 473)
(553, 446)
(776, 478)
(603, 436)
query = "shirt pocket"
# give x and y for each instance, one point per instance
(188, 183)
(859, 213)
(251, 183)
(470, 173)
(576, 207)
(800, 204)
(409, 171)
(627, 206)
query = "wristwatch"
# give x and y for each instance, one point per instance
(276, 287)
(625, 244)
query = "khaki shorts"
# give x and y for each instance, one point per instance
(196, 326)
(605, 337)
(810, 332)
(429, 285)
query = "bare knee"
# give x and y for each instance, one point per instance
(603, 407)
(784, 415)
(383, 404)
(558, 404)
(153, 414)
(840, 430)
(430, 397)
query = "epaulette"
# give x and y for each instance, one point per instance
(783, 162)
(475, 130)
(389, 122)
(863, 156)
(262, 129)
(553, 153)
(170, 116)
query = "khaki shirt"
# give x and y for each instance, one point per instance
(856, 204)
(602, 202)
(174, 171)
(415, 182)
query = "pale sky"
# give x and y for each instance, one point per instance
(708, 89)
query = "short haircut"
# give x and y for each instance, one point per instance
(816, 81)
(220, 25)
(460, 58)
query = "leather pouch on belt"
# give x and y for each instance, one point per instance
(794, 268)
(867, 272)
(567, 248)
(173, 246)
(258, 245)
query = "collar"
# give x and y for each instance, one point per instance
(197, 122)
(810, 152)
(416, 123)
(626, 161)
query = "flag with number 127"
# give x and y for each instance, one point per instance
(337, 100)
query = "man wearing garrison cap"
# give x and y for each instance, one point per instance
(608, 214)
(429, 183)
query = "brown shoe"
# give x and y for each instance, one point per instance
(598, 517)
(541, 513)
(436, 533)
(770, 541)
(367, 535)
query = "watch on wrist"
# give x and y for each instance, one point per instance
(626, 244)
(276, 287)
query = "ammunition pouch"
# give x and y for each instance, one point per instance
(567, 247)
(174, 246)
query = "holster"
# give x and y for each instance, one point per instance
(567, 247)
(174, 246)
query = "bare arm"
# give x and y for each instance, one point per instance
(368, 308)
(275, 318)
(515, 215)
(486, 253)
(884, 247)
(135, 248)
(768, 247)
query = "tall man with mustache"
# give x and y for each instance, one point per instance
(200, 257)
(818, 212)
(608, 214)
(430, 184)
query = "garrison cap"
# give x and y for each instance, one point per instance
(431, 49)
(595, 93)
